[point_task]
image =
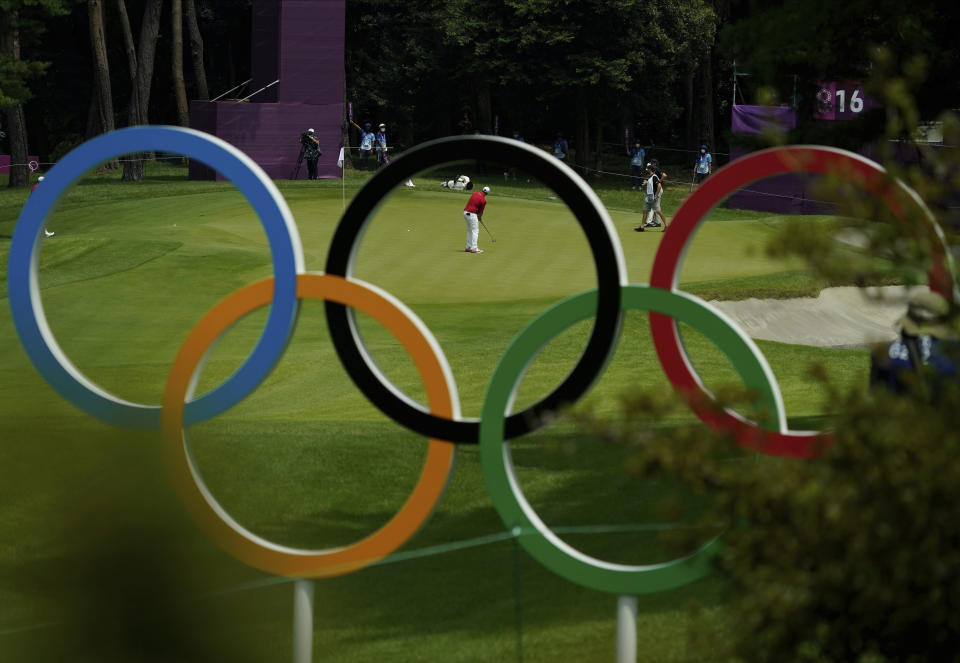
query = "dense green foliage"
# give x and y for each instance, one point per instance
(538, 66)
(598, 71)
(822, 40)
(26, 18)
(852, 556)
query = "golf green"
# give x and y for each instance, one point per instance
(88, 514)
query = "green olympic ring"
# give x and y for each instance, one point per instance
(496, 462)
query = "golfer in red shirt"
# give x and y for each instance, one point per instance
(472, 214)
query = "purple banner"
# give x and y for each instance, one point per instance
(757, 119)
(781, 194)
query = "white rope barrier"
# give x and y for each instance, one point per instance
(34, 165)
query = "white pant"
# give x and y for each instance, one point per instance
(473, 229)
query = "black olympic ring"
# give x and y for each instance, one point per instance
(604, 244)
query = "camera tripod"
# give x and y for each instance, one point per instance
(296, 169)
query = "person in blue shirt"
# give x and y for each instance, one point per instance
(637, 155)
(560, 147)
(925, 356)
(704, 165)
(367, 139)
(380, 140)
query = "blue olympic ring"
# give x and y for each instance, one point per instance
(31, 322)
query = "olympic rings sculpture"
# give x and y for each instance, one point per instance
(24, 291)
(440, 419)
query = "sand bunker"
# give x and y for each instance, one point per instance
(847, 317)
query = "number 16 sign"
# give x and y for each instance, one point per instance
(841, 100)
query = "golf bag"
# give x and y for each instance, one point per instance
(462, 183)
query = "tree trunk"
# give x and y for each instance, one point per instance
(17, 131)
(598, 142)
(149, 30)
(484, 115)
(629, 126)
(706, 100)
(94, 126)
(101, 107)
(132, 169)
(128, 46)
(446, 115)
(93, 113)
(16, 121)
(141, 62)
(196, 49)
(689, 126)
(582, 135)
(176, 62)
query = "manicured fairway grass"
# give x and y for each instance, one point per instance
(306, 461)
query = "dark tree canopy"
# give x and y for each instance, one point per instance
(659, 70)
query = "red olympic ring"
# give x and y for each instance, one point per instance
(669, 258)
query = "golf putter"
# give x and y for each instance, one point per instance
(488, 231)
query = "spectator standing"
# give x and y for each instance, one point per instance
(367, 138)
(380, 144)
(637, 164)
(380, 140)
(656, 200)
(925, 355)
(472, 215)
(560, 146)
(653, 188)
(704, 165)
(465, 124)
(311, 152)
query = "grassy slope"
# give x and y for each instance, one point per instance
(305, 461)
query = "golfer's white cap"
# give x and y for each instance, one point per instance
(486, 189)
(309, 131)
(40, 179)
(383, 126)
